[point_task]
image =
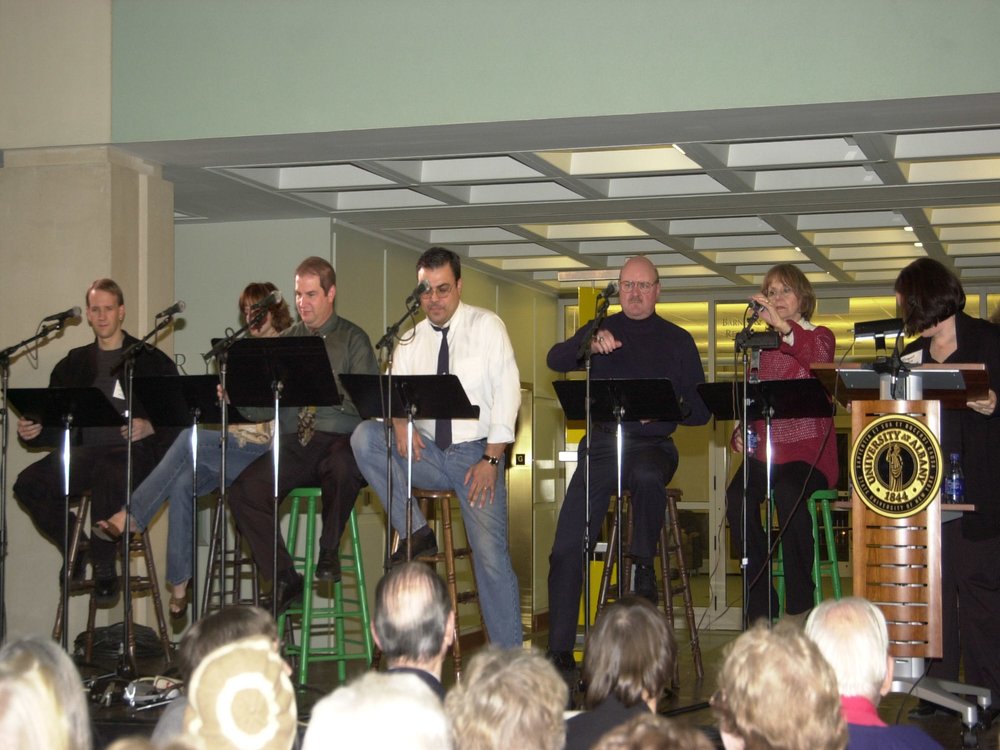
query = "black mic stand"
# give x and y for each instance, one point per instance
(127, 664)
(220, 353)
(585, 352)
(386, 349)
(5, 357)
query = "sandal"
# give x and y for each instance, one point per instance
(106, 530)
(178, 605)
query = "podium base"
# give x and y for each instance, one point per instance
(908, 677)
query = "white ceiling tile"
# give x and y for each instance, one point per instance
(952, 143)
(805, 151)
(814, 179)
(721, 225)
(355, 200)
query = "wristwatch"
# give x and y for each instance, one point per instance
(493, 460)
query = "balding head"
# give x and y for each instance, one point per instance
(414, 622)
(638, 303)
(852, 634)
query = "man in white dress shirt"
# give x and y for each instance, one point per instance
(462, 455)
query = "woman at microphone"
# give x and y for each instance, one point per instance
(804, 451)
(172, 477)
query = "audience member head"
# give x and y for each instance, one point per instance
(219, 628)
(652, 732)
(42, 701)
(630, 654)
(240, 697)
(414, 624)
(777, 691)
(379, 711)
(788, 274)
(254, 292)
(508, 699)
(851, 633)
(927, 293)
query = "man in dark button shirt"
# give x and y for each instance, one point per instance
(98, 454)
(315, 442)
(635, 343)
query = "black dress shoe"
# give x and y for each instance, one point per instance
(288, 589)
(328, 565)
(106, 585)
(424, 543)
(645, 582)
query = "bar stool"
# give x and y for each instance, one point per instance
(228, 568)
(822, 565)
(138, 544)
(670, 551)
(328, 620)
(429, 501)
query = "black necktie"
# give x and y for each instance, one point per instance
(442, 427)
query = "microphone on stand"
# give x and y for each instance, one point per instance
(62, 317)
(177, 307)
(609, 291)
(274, 298)
(422, 288)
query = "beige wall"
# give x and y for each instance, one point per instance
(55, 64)
(67, 217)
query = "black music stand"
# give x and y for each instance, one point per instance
(412, 397)
(768, 400)
(65, 408)
(181, 401)
(617, 401)
(287, 371)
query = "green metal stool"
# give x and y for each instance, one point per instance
(325, 620)
(821, 566)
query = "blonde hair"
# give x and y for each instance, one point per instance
(777, 691)
(508, 699)
(653, 732)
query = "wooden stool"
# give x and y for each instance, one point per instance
(138, 544)
(822, 565)
(329, 620)
(228, 568)
(670, 551)
(442, 499)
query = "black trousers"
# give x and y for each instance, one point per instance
(98, 468)
(970, 609)
(648, 465)
(788, 483)
(326, 462)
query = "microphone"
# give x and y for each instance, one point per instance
(757, 310)
(274, 298)
(610, 290)
(422, 288)
(62, 317)
(177, 307)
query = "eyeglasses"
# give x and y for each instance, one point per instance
(642, 286)
(441, 291)
(774, 293)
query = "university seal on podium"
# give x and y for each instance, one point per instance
(896, 466)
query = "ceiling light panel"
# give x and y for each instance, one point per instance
(863, 252)
(620, 161)
(508, 250)
(874, 275)
(740, 241)
(757, 270)
(861, 237)
(359, 200)
(972, 248)
(471, 169)
(954, 143)
(511, 192)
(952, 171)
(856, 219)
(975, 232)
(868, 265)
(978, 261)
(664, 260)
(641, 246)
(583, 231)
(965, 215)
(779, 153)
(644, 187)
(724, 225)
(769, 256)
(463, 235)
(813, 179)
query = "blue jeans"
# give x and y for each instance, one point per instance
(172, 479)
(485, 527)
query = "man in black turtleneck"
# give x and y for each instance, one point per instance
(635, 343)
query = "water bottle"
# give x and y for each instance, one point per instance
(752, 441)
(954, 481)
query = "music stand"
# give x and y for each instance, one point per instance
(412, 397)
(768, 400)
(286, 371)
(179, 401)
(618, 401)
(65, 408)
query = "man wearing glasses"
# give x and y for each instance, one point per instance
(465, 456)
(635, 343)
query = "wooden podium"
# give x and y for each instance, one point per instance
(897, 469)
